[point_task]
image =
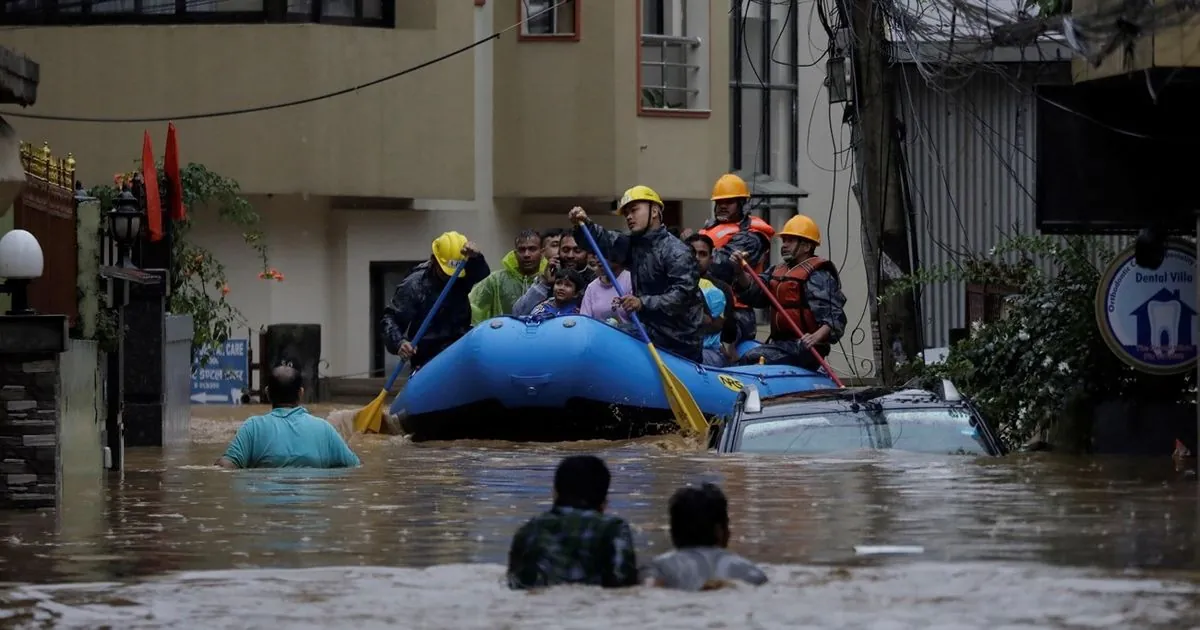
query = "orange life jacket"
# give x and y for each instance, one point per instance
(722, 232)
(788, 287)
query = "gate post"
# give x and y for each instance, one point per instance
(144, 350)
(30, 349)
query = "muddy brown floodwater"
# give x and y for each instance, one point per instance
(417, 537)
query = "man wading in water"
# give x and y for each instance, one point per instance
(700, 533)
(288, 437)
(575, 542)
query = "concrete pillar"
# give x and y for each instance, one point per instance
(30, 349)
(143, 345)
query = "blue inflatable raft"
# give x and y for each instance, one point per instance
(567, 378)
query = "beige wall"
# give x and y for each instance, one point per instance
(826, 171)
(566, 112)
(410, 137)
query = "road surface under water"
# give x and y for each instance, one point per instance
(417, 537)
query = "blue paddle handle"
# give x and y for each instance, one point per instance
(587, 233)
(428, 320)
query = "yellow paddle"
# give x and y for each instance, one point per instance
(370, 418)
(687, 412)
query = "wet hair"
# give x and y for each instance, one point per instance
(702, 238)
(551, 233)
(581, 481)
(525, 235)
(698, 516)
(572, 276)
(284, 383)
(619, 252)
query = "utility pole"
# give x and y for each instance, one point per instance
(886, 247)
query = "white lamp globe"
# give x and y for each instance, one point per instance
(20, 256)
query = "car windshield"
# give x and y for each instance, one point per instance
(939, 430)
(827, 433)
(934, 430)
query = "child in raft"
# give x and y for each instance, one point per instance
(566, 297)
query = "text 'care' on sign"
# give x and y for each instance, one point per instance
(222, 374)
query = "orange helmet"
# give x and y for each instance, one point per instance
(802, 227)
(730, 186)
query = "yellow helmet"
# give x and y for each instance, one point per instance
(638, 193)
(730, 186)
(447, 250)
(803, 227)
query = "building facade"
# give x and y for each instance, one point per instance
(790, 138)
(442, 125)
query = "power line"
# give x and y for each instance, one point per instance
(293, 103)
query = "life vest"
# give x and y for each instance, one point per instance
(722, 232)
(787, 285)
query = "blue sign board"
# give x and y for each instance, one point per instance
(1148, 316)
(223, 376)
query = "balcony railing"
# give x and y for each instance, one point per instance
(149, 12)
(670, 74)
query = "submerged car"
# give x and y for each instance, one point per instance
(938, 420)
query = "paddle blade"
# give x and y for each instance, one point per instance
(368, 420)
(687, 412)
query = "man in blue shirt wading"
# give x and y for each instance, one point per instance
(288, 436)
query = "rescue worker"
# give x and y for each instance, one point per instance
(415, 295)
(519, 270)
(733, 229)
(666, 278)
(808, 288)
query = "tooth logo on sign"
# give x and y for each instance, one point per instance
(1148, 316)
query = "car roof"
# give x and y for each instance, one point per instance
(815, 401)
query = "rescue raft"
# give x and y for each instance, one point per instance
(567, 378)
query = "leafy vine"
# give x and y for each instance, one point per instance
(199, 281)
(1039, 372)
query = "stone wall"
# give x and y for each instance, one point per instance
(30, 349)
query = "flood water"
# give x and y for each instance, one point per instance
(417, 538)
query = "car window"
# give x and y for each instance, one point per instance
(935, 430)
(804, 434)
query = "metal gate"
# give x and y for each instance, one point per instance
(46, 209)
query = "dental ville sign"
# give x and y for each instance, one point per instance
(1148, 316)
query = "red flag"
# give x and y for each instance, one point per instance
(153, 203)
(171, 168)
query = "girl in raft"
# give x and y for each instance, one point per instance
(568, 293)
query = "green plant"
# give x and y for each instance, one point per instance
(1048, 8)
(656, 98)
(199, 284)
(1044, 367)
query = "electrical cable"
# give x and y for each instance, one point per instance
(293, 103)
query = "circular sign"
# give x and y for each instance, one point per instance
(730, 382)
(1148, 316)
